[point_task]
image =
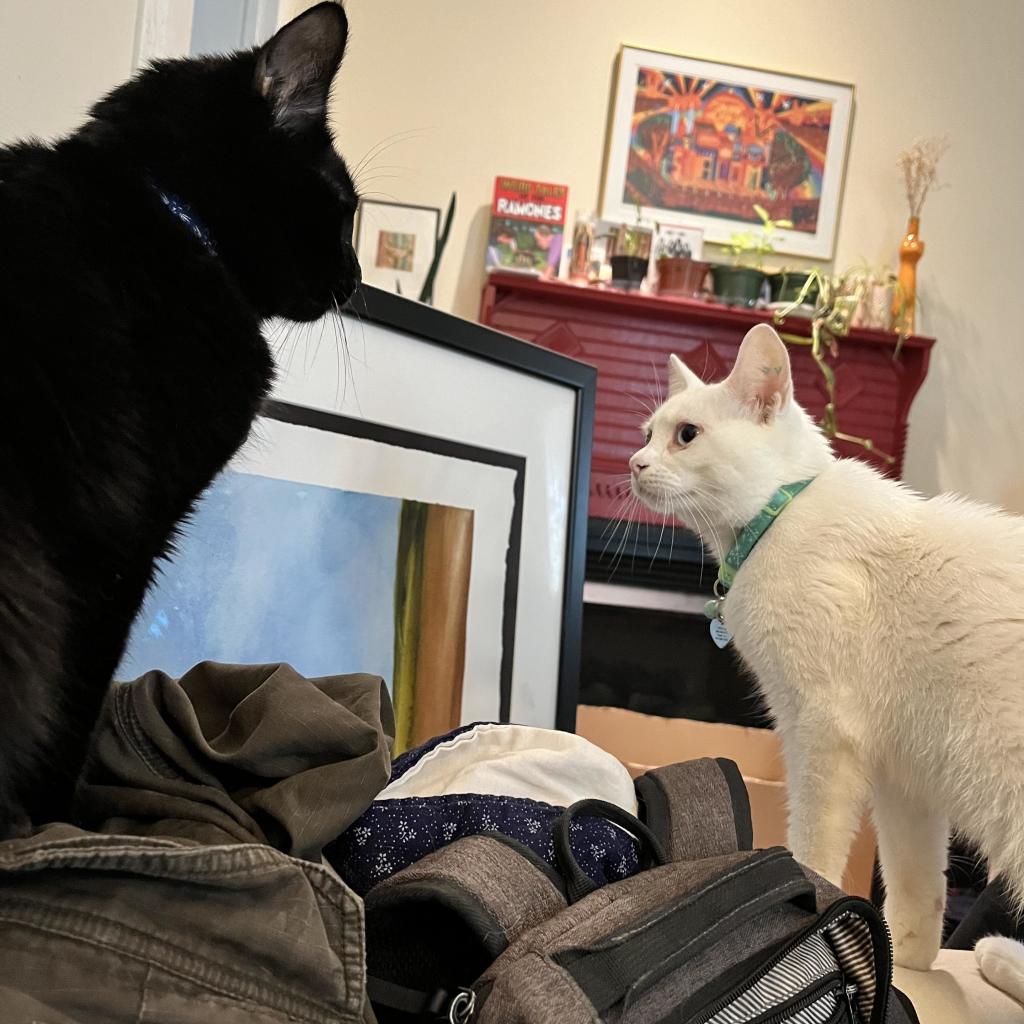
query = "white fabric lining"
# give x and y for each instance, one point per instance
(557, 768)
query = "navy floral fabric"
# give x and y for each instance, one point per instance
(392, 834)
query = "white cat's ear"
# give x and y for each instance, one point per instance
(680, 376)
(761, 378)
(295, 68)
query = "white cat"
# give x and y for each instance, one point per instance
(886, 632)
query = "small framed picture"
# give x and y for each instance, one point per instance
(395, 243)
(678, 241)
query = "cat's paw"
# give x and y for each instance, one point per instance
(915, 922)
(1001, 961)
(915, 944)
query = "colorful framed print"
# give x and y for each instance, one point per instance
(699, 143)
(395, 243)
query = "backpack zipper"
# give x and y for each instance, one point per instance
(832, 986)
(844, 907)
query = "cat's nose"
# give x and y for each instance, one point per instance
(637, 465)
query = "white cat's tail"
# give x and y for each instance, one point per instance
(1001, 961)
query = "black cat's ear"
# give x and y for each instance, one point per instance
(295, 68)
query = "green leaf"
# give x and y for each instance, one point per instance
(427, 293)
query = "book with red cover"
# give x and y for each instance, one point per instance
(527, 226)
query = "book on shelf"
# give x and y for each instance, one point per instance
(527, 232)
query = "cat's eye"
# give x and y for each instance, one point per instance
(648, 434)
(687, 432)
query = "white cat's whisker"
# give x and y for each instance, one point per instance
(661, 537)
(702, 549)
(618, 518)
(628, 522)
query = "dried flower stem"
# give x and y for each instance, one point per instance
(920, 169)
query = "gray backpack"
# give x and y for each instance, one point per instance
(710, 932)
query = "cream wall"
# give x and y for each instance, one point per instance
(57, 57)
(462, 90)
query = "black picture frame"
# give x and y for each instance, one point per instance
(366, 204)
(338, 423)
(438, 328)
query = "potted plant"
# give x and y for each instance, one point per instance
(678, 273)
(630, 255)
(740, 283)
(837, 299)
(786, 284)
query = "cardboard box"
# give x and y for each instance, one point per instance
(641, 742)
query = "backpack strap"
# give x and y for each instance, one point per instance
(433, 928)
(621, 966)
(577, 883)
(697, 808)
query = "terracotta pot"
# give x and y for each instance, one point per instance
(681, 277)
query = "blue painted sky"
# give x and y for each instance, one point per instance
(272, 570)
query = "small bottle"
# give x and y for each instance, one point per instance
(582, 243)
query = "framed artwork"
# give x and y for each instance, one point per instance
(699, 143)
(395, 243)
(411, 503)
(680, 241)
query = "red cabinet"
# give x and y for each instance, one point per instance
(629, 337)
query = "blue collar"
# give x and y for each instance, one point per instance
(188, 217)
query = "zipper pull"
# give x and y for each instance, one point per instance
(851, 997)
(462, 1007)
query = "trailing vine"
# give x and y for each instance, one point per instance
(833, 314)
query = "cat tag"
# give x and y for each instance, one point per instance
(720, 634)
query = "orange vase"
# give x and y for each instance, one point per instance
(904, 299)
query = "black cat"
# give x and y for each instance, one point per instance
(138, 258)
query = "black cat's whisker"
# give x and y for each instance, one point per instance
(383, 176)
(395, 170)
(382, 147)
(388, 196)
(352, 308)
(316, 348)
(386, 143)
(347, 353)
(339, 343)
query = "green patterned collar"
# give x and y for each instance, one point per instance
(753, 532)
